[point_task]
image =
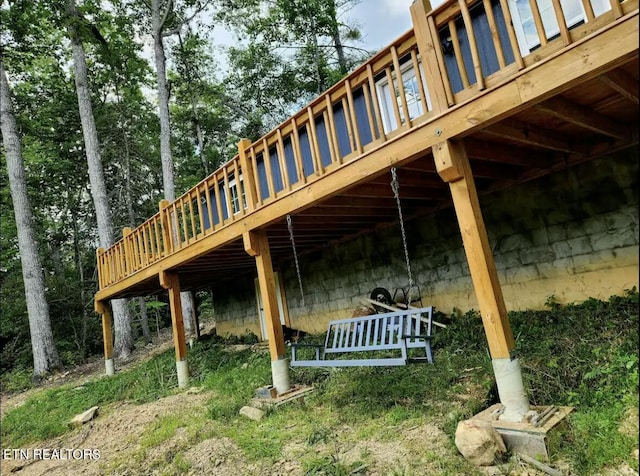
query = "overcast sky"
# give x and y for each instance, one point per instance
(381, 21)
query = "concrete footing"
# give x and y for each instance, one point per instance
(109, 367)
(526, 437)
(280, 375)
(183, 373)
(511, 389)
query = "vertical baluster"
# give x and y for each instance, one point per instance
(495, 37)
(313, 142)
(199, 205)
(185, 228)
(226, 189)
(192, 217)
(537, 19)
(394, 98)
(370, 117)
(256, 178)
(562, 23)
(453, 31)
(100, 266)
(376, 331)
(419, 80)
(401, 91)
(616, 8)
(297, 151)
(354, 119)
(281, 160)
(441, 65)
(473, 46)
(267, 162)
(239, 187)
(216, 193)
(330, 126)
(513, 39)
(248, 175)
(588, 10)
(376, 104)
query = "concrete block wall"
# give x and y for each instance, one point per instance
(566, 237)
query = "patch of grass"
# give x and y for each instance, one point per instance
(16, 380)
(583, 355)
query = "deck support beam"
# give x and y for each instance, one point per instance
(256, 244)
(102, 308)
(171, 283)
(453, 167)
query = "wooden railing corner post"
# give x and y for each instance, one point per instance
(248, 176)
(427, 39)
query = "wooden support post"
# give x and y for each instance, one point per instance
(102, 308)
(171, 283)
(256, 244)
(453, 166)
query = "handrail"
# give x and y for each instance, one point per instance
(381, 99)
(482, 43)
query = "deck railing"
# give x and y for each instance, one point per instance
(471, 45)
(484, 42)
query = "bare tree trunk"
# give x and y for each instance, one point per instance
(123, 344)
(158, 18)
(45, 355)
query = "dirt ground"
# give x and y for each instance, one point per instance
(117, 431)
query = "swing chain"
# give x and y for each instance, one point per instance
(395, 186)
(295, 256)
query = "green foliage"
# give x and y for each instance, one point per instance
(558, 349)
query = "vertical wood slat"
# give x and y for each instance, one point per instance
(284, 172)
(354, 119)
(297, 151)
(332, 136)
(267, 163)
(513, 39)
(313, 143)
(458, 54)
(207, 196)
(370, 119)
(493, 27)
(537, 19)
(440, 58)
(239, 187)
(216, 189)
(376, 103)
(100, 267)
(588, 10)
(185, 230)
(200, 214)
(248, 177)
(256, 178)
(350, 127)
(227, 193)
(192, 218)
(616, 8)
(473, 46)
(145, 246)
(164, 224)
(394, 98)
(401, 91)
(416, 68)
(562, 22)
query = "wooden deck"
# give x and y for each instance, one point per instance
(522, 107)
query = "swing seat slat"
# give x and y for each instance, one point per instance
(392, 333)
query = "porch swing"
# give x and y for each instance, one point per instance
(403, 335)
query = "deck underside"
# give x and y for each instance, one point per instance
(576, 106)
